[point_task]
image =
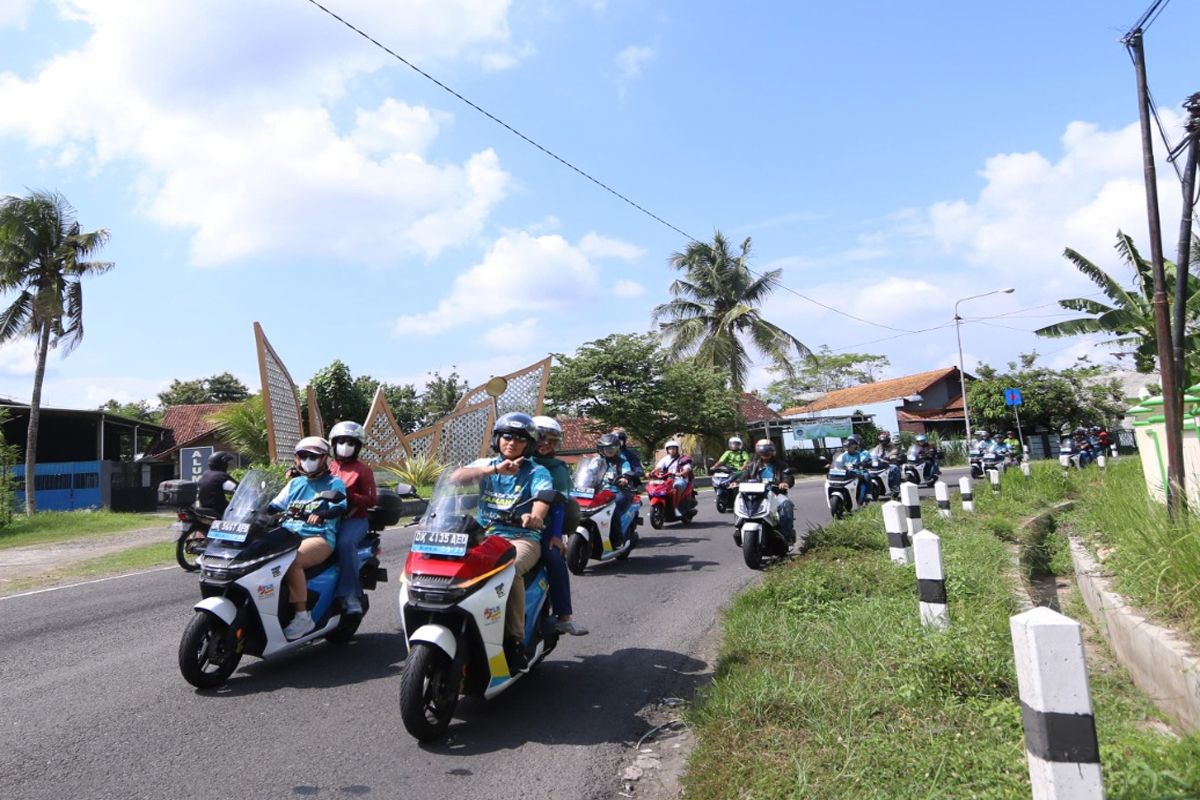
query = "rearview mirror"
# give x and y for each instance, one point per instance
(331, 496)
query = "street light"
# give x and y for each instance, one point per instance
(962, 371)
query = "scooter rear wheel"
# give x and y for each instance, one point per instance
(188, 548)
(348, 625)
(578, 551)
(428, 695)
(204, 661)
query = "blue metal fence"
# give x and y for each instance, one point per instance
(63, 486)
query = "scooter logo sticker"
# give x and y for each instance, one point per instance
(266, 590)
(491, 615)
(276, 570)
(499, 590)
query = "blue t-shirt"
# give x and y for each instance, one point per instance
(851, 461)
(615, 470)
(301, 493)
(499, 494)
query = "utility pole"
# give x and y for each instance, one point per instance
(1172, 405)
(1183, 259)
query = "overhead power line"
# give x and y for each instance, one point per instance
(582, 173)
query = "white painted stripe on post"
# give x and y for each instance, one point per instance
(964, 492)
(911, 497)
(943, 498)
(1056, 704)
(1026, 470)
(931, 580)
(899, 545)
(1101, 461)
(994, 479)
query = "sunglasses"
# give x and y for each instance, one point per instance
(309, 454)
(511, 437)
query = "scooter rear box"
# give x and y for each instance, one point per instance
(386, 511)
(177, 493)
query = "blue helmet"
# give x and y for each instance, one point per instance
(516, 424)
(921, 438)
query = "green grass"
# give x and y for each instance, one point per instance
(132, 560)
(829, 687)
(47, 527)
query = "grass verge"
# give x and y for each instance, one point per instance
(48, 527)
(132, 560)
(829, 687)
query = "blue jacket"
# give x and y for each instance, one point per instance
(301, 493)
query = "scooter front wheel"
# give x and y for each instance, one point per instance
(428, 695)
(188, 548)
(837, 507)
(656, 518)
(751, 553)
(204, 658)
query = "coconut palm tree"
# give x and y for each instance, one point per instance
(715, 311)
(1129, 316)
(43, 254)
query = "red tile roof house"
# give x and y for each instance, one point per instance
(190, 426)
(920, 403)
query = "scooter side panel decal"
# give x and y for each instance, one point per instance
(484, 598)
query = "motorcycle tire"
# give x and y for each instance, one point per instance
(656, 518)
(751, 553)
(633, 541)
(348, 625)
(721, 507)
(188, 547)
(195, 653)
(579, 549)
(837, 507)
(428, 693)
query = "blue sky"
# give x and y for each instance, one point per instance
(257, 161)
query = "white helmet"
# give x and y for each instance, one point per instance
(315, 460)
(348, 430)
(548, 427)
(735, 441)
(670, 444)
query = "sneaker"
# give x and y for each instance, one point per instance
(301, 624)
(352, 606)
(514, 654)
(570, 626)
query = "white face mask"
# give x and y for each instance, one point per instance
(309, 465)
(345, 450)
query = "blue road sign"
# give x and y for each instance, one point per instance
(1012, 397)
(193, 461)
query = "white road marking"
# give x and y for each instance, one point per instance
(85, 583)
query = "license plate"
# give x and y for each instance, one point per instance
(583, 493)
(180, 526)
(228, 531)
(440, 543)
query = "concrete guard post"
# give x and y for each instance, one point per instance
(910, 495)
(964, 492)
(931, 580)
(1056, 706)
(899, 545)
(1026, 470)
(1101, 461)
(994, 479)
(943, 498)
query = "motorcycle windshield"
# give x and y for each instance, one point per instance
(254, 491)
(452, 507)
(590, 474)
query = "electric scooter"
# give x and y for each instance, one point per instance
(597, 497)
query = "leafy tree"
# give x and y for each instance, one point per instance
(337, 395)
(824, 371)
(225, 388)
(244, 427)
(630, 381)
(715, 311)
(1129, 316)
(441, 395)
(405, 405)
(1054, 399)
(184, 393)
(43, 257)
(139, 410)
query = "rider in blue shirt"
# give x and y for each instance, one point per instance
(621, 478)
(855, 460)
(767, 467)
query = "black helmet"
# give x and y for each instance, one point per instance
(221, 460)
(609, 441)
(516, 424)
(621, 435)
(854, 437)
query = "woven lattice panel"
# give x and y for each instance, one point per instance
(279, 400)
(526, 391)
(421, 442)
(385, 442)
(465, 434)
(316, 423)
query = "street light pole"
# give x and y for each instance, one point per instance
(962, 370)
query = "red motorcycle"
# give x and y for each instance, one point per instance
(668, 504)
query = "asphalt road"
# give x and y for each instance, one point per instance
(93, 705)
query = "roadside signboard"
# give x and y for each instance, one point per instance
(193, 461)
(1012, 397)
(823, 428)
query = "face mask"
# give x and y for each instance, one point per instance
(309, 465)
(345, 450)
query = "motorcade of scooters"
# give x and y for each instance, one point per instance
(922, 471)
(593, 489)
(453, 607)
(245, 605)
(756, 529)
(660, 490)
(721, 476)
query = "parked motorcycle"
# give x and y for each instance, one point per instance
(592, 540)
(661, 491)
(721, 476)
(757, 529)
(452, 605)
(246, 604)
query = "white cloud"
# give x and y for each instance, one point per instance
(17, 357)
(626, 288)
(518, 274)
(593, 245)
(14, 13)
(630, 62)
(511, 335)
(225, 112)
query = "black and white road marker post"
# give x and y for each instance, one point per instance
(1056, 706)
(994, 479)
(1101, 461)
(964, 492)
(931, 580)
(1026, 470)
(899, 545)
(943, 498)
(910, 495)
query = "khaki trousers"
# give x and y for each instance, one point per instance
(528, 553)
